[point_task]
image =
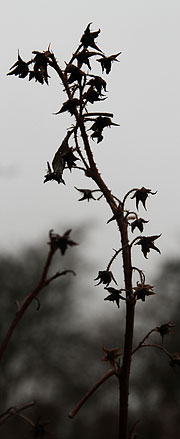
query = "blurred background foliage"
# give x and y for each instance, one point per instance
(55, 353)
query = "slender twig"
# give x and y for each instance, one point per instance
(141, 274)
(135, 239)
(142, 341)
(12, 410)
(107, 375)
(158, 347)
(128, 193)
(133, 430)
(20, 415)
(58, 274)
(113, 257)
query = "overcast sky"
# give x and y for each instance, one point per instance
(144, 96)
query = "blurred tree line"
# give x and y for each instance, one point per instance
(54, 357)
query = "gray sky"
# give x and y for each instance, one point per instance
(143, 94)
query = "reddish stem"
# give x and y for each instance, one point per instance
(26, 302)
(127, 267)
(90, 392)
(130, 311)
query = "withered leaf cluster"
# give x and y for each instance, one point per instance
(98, 83)
(82, 88)
(64, 157)
(114, 295)
(142, 291)
(61, 242)
(39, 67)
(175, 361)
(20, 68)
(83, 58)
(39, 72)
(40, 430)
(141, 195)
(88, 38)
(70, 105)
(92, 95)
(87, 194)
(139, 223)
(98, 126)
(105, 277)
(111, 355)
(106, 62)
(165, 329)
(147, 243)
(75, 74)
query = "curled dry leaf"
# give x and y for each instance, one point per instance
(141, 195)
(147, 243)
(105, 277)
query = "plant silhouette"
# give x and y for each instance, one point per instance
(84, 89)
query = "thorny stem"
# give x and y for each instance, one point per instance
(113, 258)
(78, 149)
(130, 311)
(53, 63)
(80, 123)
(95, 175)
(127, 267)
(130, 305)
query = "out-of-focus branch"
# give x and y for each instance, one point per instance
(141, 343)
(58, 274)
(12, 410)
(107, 375)
(44, 281)
(158, 347)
